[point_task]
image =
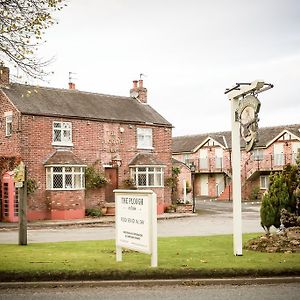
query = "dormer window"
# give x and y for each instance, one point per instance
(144, 138)
(62, 134)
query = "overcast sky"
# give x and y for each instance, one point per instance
(190, 51)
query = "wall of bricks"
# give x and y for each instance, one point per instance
(249, 166)
(93, 142)
(10, 145)
(184, 174)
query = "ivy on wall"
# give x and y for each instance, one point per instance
(94, 178)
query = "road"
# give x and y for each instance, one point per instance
(214, 218)
(289, 291)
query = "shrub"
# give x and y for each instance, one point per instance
(172, 183)
(93, 212)
(255, 193)
(32, 186)
(188, 188)
(129, 183)
(281, 197)
(94, 179)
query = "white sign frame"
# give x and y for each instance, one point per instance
(136, 222)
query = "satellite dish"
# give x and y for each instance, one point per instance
(134, 94)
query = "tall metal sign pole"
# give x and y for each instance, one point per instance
(244, 111)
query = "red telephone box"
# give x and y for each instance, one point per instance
(10, 199)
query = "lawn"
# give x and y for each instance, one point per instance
(177, 257)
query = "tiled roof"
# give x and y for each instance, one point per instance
(265, 135)
(64, 157)
(188, 143)
(145, 159)
(83, 105)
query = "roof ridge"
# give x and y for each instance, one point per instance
(278, 126)
(228, 131)
(70, 90)
(201, 134)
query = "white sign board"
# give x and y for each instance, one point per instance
(136, 222)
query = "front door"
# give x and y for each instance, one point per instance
(112, 175)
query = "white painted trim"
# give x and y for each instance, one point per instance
(225, 142)
(65, 165)
(63, 144)
(205, 141)
(147, 166)
(8, 113)
(108, 166)
(280, 134)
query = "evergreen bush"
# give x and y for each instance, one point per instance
(281, 196)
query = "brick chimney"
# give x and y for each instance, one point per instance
(72, 86)
(4, 76)
(138, 91)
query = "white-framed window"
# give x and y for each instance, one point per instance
(148, 176)
(264, 182)
(8, 124)
(144, 138)
(218, 158)
(65, 178)
(258, 154)
(62, 133)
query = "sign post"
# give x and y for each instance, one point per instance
(244, 111)
(136, 222)
(21, 185)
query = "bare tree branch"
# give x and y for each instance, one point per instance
(22, 26)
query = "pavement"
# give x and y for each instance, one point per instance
(104, 220)
(209, 205)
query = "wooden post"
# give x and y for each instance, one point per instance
(23, 212)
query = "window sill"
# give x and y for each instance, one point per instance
(150, 187)
(62, 144)
(145, 148)
(65, 190)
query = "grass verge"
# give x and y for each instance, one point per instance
(180, 257)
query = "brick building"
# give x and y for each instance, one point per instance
(59, 132)
(211, 154)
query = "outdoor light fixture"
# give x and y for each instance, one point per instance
(116, 161)
(193, 170)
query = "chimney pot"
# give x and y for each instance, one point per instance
(135, 84)
(4, 75)
(139, 90)
(71, 86)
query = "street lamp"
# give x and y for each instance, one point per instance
(116, 161)
(193, 170)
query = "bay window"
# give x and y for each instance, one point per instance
(148, 176)
(65, 178)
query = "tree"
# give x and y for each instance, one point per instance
(267, 213)
(282, 194)
(22, 26)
